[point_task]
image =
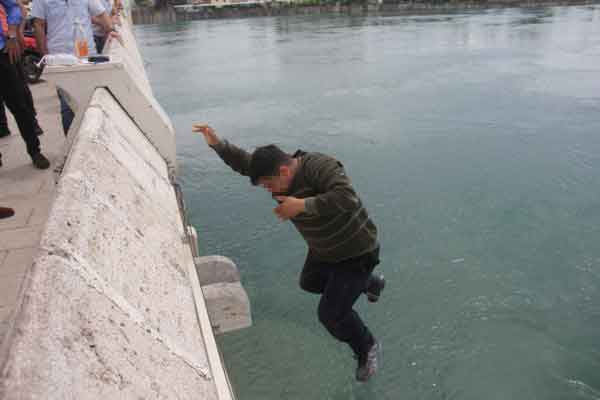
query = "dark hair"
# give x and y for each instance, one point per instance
(266, 161)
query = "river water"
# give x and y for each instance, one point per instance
(474, 141)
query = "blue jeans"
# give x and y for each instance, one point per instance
(66, 113)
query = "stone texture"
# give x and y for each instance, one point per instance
(19, 238)
(16, 263)
(77, 340)
(109, 310)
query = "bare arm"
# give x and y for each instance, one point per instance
(39, 28)
(12, 45)
(104, 21)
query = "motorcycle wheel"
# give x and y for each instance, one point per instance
(32, 72)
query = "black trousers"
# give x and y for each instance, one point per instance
(28, 97)
(17, 97)
(340, 285)
(3, 121)
(100, 41)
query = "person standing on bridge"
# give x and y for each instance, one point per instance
(55, 34)
(316, 195)
(12, 83)
(4, 130)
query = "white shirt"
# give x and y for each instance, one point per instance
(61, 17)
(97, 29)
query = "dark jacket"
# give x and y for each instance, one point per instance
(335, 225)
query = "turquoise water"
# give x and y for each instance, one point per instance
(474, 140)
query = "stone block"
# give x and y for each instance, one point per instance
(228, 306)
(216, 269)
(109, 310)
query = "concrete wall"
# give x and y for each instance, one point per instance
(112, 307)
(108, 309)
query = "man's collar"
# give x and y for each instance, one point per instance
(298, 155)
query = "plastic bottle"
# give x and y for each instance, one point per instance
(81, 44)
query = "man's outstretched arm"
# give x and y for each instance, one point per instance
(238, 159)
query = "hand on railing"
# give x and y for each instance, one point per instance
(114, 35)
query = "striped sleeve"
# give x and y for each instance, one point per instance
(337, 195)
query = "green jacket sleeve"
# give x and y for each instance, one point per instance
(336, 194)
(238, 159)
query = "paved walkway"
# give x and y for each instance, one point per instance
(29, 191)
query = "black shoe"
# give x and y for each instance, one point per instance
(6, 212)
(368, 363)
(4, 131)
(375, 285)
(39, 161)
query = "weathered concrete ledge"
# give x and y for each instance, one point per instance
(108, 309)
(226, 299)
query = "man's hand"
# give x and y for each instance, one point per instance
(209, 133)
(14, 50)
(114, 35)
(288, 207)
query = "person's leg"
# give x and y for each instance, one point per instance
(313, 277)
(66, 112)
(100, 41)
(346, 282)
(14, 97)
(29, 98)
(4, 131)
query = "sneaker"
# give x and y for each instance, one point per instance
(39, 161)
(375, 285)
(367, 363)
(4, 131)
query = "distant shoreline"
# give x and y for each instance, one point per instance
(147, 15)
